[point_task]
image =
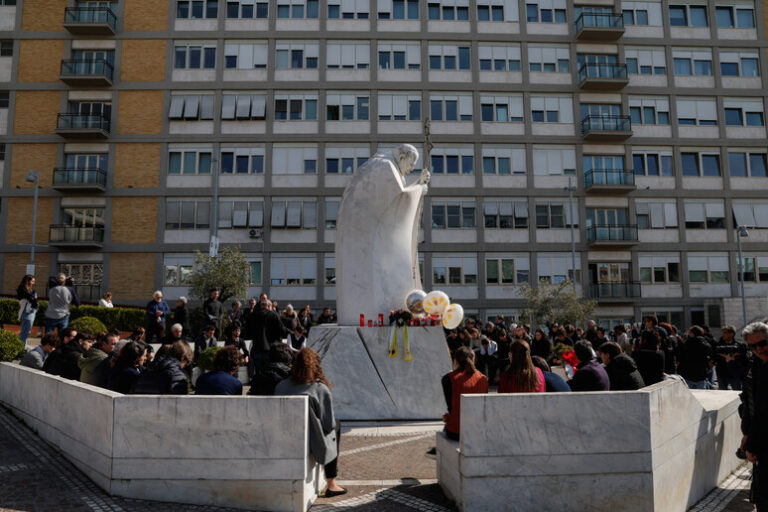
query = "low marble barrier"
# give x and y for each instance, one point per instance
(661, 448)
(245, 452)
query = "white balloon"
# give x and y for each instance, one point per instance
(452, 316)
(435, 302)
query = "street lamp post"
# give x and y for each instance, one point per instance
(33, 177)
(571, 188)
(741, 231)
(213, 246)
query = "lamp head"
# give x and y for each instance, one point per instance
(32, 176)
(743, 231)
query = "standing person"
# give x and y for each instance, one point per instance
(252, 308)
(106, 300)
(235, 315)
(222, 380)
(181, 316)
(305, 318)
(165, 376)
(755, 396)
(127, 367)
(266, 328)
(105, 344)
(694, 355)
(590, 375)
(157, 313)
(621, 369)
(521, 376)
(465, 379)
(59, 300)
(307, 378)
(27, 306)
(214, 310)
(650, 359)
(35, 358)
(623, 339)
(325, 317)
(290, 319)
(731, 360)
(486, 357)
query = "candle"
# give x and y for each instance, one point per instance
(381, 320)
(370, 323)
(362, 320)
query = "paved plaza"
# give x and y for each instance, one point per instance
(385, 468)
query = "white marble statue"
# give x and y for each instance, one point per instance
(377, 235)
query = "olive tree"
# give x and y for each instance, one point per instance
(549, 303)
(228, 271)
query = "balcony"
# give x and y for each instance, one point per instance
(609, 180)
(90, 20)
(617, 235)
(606, 128)
(603, 77)
(89, 73)
(80, 179)
(92, 126)
(599, 27)
(616, 291)
(64, 235)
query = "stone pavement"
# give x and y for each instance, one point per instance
(383, 466)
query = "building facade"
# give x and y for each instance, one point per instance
(137, 113)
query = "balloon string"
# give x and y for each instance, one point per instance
(407, 345)
(393, 341)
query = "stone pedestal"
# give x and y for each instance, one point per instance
(369, 385)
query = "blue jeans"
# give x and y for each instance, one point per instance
(26, 326)
(60, 323)
(697, 384)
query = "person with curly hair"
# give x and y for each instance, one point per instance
(307, 378)
(222, 380)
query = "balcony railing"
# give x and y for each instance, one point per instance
(622, 290)
(83, 125)
(80, 178)
(606, 127)
(612, 234)
(599, 26)
(603, 76)
(66, 234)
(86, 72)
(90, 20)
(609, 178)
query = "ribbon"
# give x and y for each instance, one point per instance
(407, 356)
(393, 340)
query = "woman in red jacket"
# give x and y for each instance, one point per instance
(464, 380)
(521, 376)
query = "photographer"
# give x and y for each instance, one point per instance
(730, 360)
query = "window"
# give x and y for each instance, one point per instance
(700, 164)
(649, 110)
(729, 16)
(345, 160)
(398, 9)
(197, 9)
(241, 213)
(191, 107)
(607, 217)
(545, 11)
(331, 211)
(347, 107)
(652, 162)
(656, 215)
(187, 214)
(743, 112)
(704, 214)
(554, 160)
(243, 107)
(604, 169)
(739, 63)
(643, 13)
(6, 48)
(505, 214)
(2, 152)
(555, 214)
(454, 269)
(254, 272)
(247, 160)
(194, 56)
(552, 109)
(294, 213)
(747, 164)
(177, 269)
(449, 107)
(4, 99)
(557, 268)
(296, 55)
(448, 10)
(502, 109)
(499, 57)
(247, 9)
(296, 107)
(245, 55)
(293, 270)
(448, 57)
(703, 268)
(329, 270)
(507, 269)
(548, 59)
(659, 268)
(347, 55)
(453, 160)
(453, 214)
(645, 60)
(688, 62)
(688, 16)
(297, 9)
(503, 160)
(701, 112)
(189, 161)
(7, 2)
(753, 214)
(400, 107)
(497, 10)
(400, 55)
(294, 160)
(348, 9)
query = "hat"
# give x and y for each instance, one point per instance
(183, 299)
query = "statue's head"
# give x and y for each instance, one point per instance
(406, 157)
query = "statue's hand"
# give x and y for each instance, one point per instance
(425, 176)
(424, 190)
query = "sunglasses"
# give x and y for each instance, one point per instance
(759, 344)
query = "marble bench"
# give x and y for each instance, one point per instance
(244, 452)
(661, 448)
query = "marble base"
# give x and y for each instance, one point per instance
(369, 385)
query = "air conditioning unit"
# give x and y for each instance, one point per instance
(255, 234)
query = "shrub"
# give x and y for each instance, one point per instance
(122, 318)
(206, 358)
(88, 323)
(11, 346)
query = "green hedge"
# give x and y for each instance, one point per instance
(11, 346)
(120, 318)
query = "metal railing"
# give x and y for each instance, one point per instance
(595, 20)
(616, 233)
(74, 234)
(618, 290)
(75, 176)
(93, 15)
(603, 71)
(608, 177)
(87, 68)
(598, 123)
(82, 122)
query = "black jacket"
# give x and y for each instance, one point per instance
(693, 357)
(163, 377)
(651, 365)
(541, 348)
(122, 378)
(22, 293)
(63, 361)
(213, 310)
(623, 373)
(101, 373)
(266, 378)
(590, 376)
(181, 316)
(757, 440)
(201, 344)
(266, 328)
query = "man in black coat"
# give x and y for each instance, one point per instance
(755, 442)
(621, 369)
(589, 375)
(266, 328)
(214, 310)
(694, 355)
(206, 339)
(63, 361)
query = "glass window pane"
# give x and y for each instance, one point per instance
(737, 164)
(757, 168)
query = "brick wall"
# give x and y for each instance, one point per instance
(137, 165)
(43, 14)
(18, 229)
(134, 220)
(35, 112)
(131, 276)
(143, 60)
(146, 15)
(140, 112)
(40, 60)
(37, 157)
(15, 266)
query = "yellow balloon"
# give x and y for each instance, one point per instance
(435, 302)
(453, 316)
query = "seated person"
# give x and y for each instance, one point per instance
(589, 374)
(165, 376)
(554, 382)
(621, 369)
(177, 334)
(63, 361)
(205, 340)
(127, 367)
(222, 380)
(36, 357)
(278, 368)
(465, 379)
(239, 343)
